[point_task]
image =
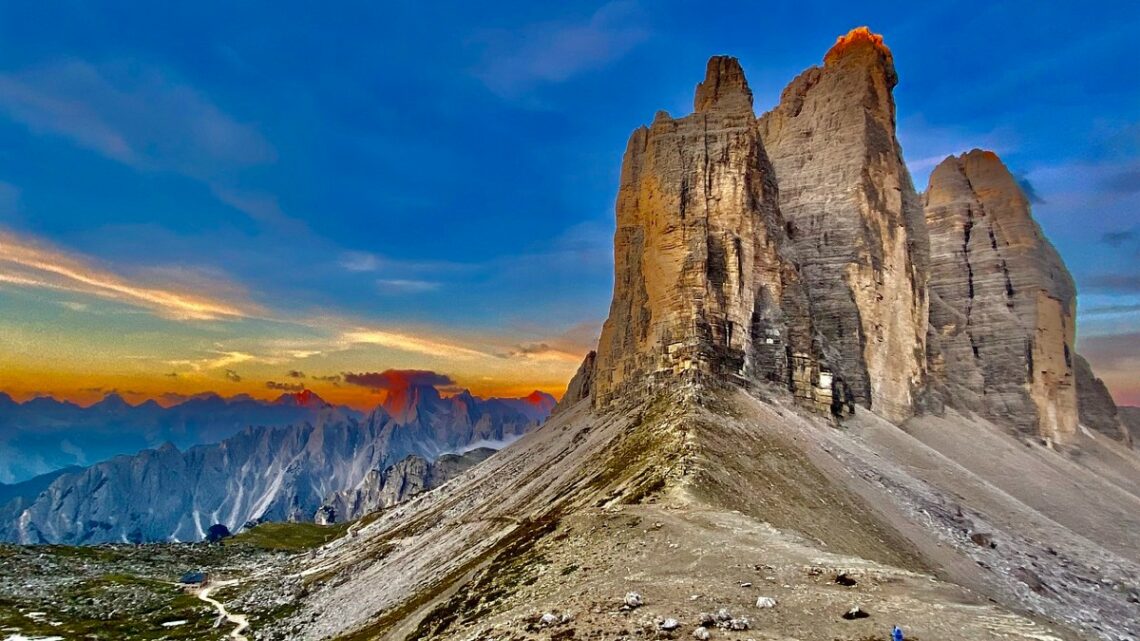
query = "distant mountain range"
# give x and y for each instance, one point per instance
(43, 434)
(261, 472)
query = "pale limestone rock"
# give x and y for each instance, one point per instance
(1096, 408)
(396, 484)
(856, 220)
(580, 384)
(705, 286)
(1130, 416)
(1002, 302)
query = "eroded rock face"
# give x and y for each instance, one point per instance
(1130, 416)
(793, 248)
(1002, 302)
(395, 484)
(704, 283)
(1097, 410)
(580, 384)
(856, 220)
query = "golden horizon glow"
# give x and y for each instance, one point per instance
(79, 329)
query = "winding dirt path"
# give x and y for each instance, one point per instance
(239, 620)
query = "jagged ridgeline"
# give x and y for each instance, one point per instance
(793, 249)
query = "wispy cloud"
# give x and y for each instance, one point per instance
(136, 114)
(360, 262)
(1118, 238)
(1126, 181)
(926, 145)
(542, 351)
(142, 116)
(1110, 310)
(219, 360)
(27, 263)
(1113, 283)
(516, 60)
(403, 286)
(407, 343)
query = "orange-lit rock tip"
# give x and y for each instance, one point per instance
(852, 39)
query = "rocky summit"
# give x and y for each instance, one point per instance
(705, 284)
(855, 220)
(822, 406)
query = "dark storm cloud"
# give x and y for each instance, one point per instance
(285, 387)
(398, 379)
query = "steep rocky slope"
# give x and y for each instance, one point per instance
(695, 465)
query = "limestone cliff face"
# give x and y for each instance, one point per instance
(1096, 409)
(395, 484)
(1003, 304)
(856, 220)
(1130, 416)
(793, 248)
(580, 384)
(704, 284)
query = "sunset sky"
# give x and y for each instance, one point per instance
(254, 197)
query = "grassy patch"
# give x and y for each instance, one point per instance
(289, 537)
(114, 607)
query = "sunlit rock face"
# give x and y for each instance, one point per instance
(1002, 302)
(855, 220)
(704, 282)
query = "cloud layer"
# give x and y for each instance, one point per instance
(398, 379)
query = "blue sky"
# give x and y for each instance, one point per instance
(446, 171)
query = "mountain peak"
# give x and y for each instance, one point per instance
(408, 403)
(303, 398)
(538, 398)
(724, 88)
(858, 44)
(113, 400)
